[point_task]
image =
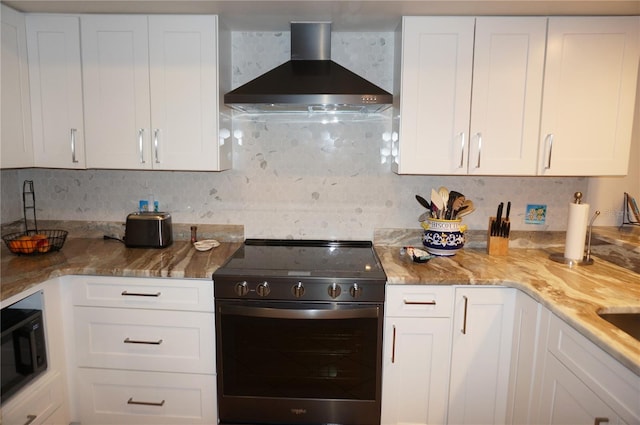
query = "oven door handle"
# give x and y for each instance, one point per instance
(303, 313)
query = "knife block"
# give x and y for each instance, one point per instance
(496, 245)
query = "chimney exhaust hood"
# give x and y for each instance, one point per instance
(310, 82)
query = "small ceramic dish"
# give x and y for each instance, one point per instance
(206, 244)
(417, 255)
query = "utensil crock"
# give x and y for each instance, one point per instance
(443, 237)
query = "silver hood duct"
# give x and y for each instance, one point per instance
(310, 81)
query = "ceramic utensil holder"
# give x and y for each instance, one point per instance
(497, 245)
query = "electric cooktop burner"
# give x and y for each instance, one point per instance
(286, 262)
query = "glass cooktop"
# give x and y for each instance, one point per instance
(295, 258)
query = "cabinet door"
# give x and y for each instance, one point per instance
(589, 95)
(115, 69)
(507, 94)
(566, 400)
(481, 355)
(56, 90)
(415, 370)
(183, 66)
(15, 131)
(437, 59)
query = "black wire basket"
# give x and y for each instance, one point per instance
(33, 241)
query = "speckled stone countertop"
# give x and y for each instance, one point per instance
(575, 294)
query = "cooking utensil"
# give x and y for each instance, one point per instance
(424, 216)
(437, 200)
(467, 208)
(444, 195)
(423, 202)
(455, 201)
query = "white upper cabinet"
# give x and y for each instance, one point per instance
(16, 139)
(470, 95)
(435, 101)
(56, 90)
(151, 92)
(589, 95)
(507, 92)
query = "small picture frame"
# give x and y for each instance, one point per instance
(535, 214)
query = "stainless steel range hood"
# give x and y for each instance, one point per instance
(310, 81)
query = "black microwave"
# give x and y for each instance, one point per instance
(24, 354)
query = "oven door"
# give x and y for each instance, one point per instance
(299, 363)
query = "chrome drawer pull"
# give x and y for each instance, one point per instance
(30, 418)
(145, 403)
(393, 346)
(419, 302)
(134, 341)
(139, 294)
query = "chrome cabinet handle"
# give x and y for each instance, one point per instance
(139, 294)
(73, 146)
(598, 421)
(393, 346)
(30, 418)
(156, 132)
(549, 140)
(407, 302)
(462, 145)
(127, 340)
(479, 149)
(141, 145)
(464, 319)
(145, 403)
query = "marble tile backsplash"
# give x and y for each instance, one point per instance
(291, 178)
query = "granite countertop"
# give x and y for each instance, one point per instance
(574, 294)
(91, 256)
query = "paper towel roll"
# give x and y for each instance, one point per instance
(576, 231)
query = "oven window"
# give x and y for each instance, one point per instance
(299, 358)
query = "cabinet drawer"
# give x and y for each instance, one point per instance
(171, 341)
(125, 292)
(127, 397)
(613, 383)
(419, 301)
(36, 402)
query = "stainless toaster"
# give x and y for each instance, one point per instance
(148, 229)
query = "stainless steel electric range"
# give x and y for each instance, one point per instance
(299, 333)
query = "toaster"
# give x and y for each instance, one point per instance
(148, 230)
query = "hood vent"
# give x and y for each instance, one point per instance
(310, 81)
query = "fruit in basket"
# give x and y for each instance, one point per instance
(42, 242)
(24, 244)
(28, 244)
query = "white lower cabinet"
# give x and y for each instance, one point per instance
(144, 351)
(481, 355)
(43, 403)
(133, 397)
(416, 356)
(581, 384)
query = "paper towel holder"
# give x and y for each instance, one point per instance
(586, 260)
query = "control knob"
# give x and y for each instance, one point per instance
(263, 289)
(242, 288)
(355, 290)
(297, 290)
(334, 290)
